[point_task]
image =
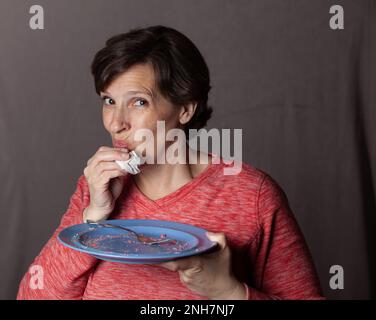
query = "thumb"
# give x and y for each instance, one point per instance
(219, 237)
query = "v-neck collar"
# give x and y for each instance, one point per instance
(181, 192)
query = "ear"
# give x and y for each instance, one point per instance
(187, 112)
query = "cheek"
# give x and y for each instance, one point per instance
(146, 121)
(148, 117)
(106, 118)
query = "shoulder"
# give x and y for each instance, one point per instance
(269, 191)
(239, 175)
(249, 182)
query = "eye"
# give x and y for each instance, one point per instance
(140, 102)
(108, 101)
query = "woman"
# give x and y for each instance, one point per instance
(157, 74)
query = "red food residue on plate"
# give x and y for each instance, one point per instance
(124, 244)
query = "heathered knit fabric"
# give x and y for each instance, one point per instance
(269, 253)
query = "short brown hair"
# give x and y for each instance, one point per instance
(182, 75)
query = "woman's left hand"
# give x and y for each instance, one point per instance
(210, 275)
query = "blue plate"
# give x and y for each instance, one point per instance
(116, 245)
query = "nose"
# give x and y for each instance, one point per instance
(120, 121)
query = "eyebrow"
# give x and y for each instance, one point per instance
(151, 94)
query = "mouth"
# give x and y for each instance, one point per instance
(120, 144)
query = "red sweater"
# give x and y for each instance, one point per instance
(268, 249)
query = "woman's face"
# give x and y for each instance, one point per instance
(132, 102)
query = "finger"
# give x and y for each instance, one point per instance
(92, 170)
(108, 175)
(109, 155)
(220, 238)
(192, 270)
(185, 278)
(121, 150)
(106, 166)
(104, 148)
(183, 264)
(100, 149)
(172, 265)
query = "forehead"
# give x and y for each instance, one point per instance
(137, 77)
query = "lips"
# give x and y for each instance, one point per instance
(120, 144)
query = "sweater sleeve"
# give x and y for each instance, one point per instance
(59, 272)
(282, 265)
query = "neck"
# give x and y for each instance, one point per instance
(158, 180)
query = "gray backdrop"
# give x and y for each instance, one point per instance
(303, 94)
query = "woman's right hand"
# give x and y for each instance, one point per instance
(106, 181)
